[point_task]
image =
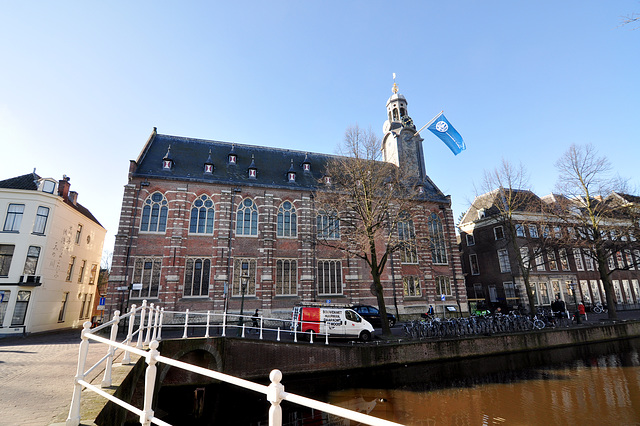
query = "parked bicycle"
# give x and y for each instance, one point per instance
(598, 308)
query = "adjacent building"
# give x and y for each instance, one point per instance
(50, 252)
(198, 214)
(553, 251)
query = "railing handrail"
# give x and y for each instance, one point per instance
(151, 318)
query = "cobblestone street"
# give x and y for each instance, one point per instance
(36, 376)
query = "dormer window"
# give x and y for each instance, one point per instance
(208, 165)
(327, 180)
(291, 174)
(253, 170)
(306, 164)
(232, 157)
(167, 161)
(420, 189)
(48, 186)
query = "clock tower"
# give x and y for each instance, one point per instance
(399, 145)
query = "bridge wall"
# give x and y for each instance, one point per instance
(249, 358)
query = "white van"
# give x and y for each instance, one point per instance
(335, 321)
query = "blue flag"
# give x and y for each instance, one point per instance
(450, 136)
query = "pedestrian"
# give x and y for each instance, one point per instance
(581, 311)
(255, 318)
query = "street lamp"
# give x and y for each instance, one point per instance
(575, 301)
(244, 280)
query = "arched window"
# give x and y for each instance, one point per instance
(247, 218)
(328, 225)
(202, 213)
(287, 220)
(437, 242)
(407, 237)
(154, 213)
(196, 277)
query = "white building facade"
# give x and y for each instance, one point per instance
(50, 253)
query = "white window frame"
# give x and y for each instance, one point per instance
(503, 261)
(473, 260)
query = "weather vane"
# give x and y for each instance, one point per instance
(394, 89)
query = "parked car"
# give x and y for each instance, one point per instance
(372, 315)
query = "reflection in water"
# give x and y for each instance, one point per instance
(596, 384)
(598, 389)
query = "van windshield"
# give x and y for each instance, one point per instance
(352, 316)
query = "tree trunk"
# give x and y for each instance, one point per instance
(608, 286)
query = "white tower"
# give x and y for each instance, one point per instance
(399, 145)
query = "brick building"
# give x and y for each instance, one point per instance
(50, 252)
(196, 213)
(559, 261)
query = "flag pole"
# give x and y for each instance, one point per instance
(428, 124)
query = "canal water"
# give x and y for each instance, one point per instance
(588, 384)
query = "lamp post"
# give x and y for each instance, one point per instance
(244, 280)
(575, 301)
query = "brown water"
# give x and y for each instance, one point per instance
(603, 390)
(583, 385)
(580, 395)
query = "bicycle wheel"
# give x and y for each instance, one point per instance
(539, 324)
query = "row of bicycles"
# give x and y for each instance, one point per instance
(434, 327)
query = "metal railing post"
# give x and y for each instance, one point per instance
(149, 383)
(74, 411)
(106, 380)
(326, 339)
(275, 394)
(261, 319)
(206, 333)
(156, 318)
(243, 329)
(126, 360)
(186, 325)
(159, 337)
(278, 338)
(143, 310)
(147, 338)
(311, 333)
(224, 324)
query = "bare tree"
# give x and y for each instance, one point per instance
(605, 222)
(365, 202)
(631, 19)
(509, 202)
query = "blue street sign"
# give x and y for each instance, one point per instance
(103, 301)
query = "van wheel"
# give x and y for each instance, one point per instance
(365, 336)
(392, 322)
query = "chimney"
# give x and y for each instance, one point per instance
(73, 197)
(63, 187)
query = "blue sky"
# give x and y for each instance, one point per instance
(82, 84)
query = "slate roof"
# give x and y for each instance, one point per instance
(488, 202)
(29, 182)
(189, 156)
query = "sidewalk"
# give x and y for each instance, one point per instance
(36, 376)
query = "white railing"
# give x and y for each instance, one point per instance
(148, 333)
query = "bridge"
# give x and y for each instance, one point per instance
(145, 326)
